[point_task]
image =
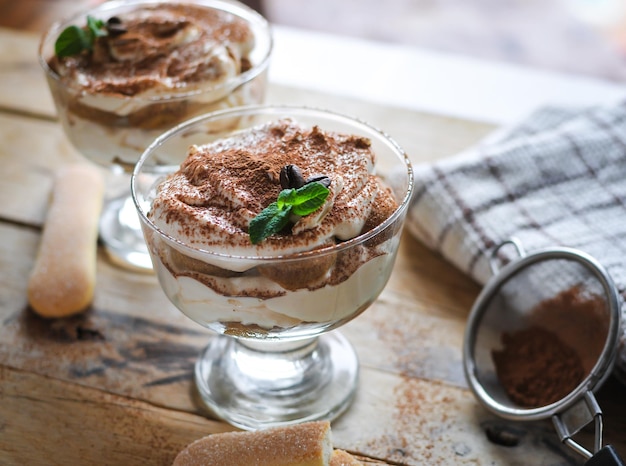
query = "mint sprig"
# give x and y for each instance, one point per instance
(302, 201)
(73, 39)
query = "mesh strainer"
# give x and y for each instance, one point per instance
(541, 337)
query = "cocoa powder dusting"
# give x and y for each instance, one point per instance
(544, 362)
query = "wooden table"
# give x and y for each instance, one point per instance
(114, 386)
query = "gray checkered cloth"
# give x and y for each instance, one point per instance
(556, 179)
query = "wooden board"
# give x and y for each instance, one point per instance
(114, 386)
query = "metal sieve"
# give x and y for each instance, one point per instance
(560, 292)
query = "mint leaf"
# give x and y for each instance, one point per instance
(309, 198)
(96, 26)
(274, 217)
(271, 220)
(73, 39)
(286, 197)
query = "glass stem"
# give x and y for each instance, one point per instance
(278, 367)
(259, 384)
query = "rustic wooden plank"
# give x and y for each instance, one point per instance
(411, 421)
(95, 427)
(22, 83)
(30, 152)
(134, 344)
(51, 422)
(47, 421)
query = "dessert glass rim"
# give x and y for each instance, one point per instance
(237, 8)
(285, 111)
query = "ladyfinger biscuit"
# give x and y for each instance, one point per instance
(306, 444)
(63, 278)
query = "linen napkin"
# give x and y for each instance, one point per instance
(558, 178)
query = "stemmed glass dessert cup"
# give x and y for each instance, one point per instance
(274, 360)
(113, 129)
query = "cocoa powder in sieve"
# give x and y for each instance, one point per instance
(541, 364)
(536, 368)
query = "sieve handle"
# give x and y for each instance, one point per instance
(606, 456)
(571, 421)
(493, 259)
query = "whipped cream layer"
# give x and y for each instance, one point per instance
(284, 309)
(105, 144)
(154, 51)
(209, 203)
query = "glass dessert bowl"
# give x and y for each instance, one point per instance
(124, 72)
(273, 232)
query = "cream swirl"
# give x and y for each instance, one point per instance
(220, 187)
(160, 50)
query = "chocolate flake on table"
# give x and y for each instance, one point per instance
(504, 435)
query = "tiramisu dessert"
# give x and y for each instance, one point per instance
(134, 69)
(262, 223)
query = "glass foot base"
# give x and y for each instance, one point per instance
(259, 384)
(120, 231)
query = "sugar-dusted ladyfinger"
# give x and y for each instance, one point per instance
(63, 278)
(307, 444)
